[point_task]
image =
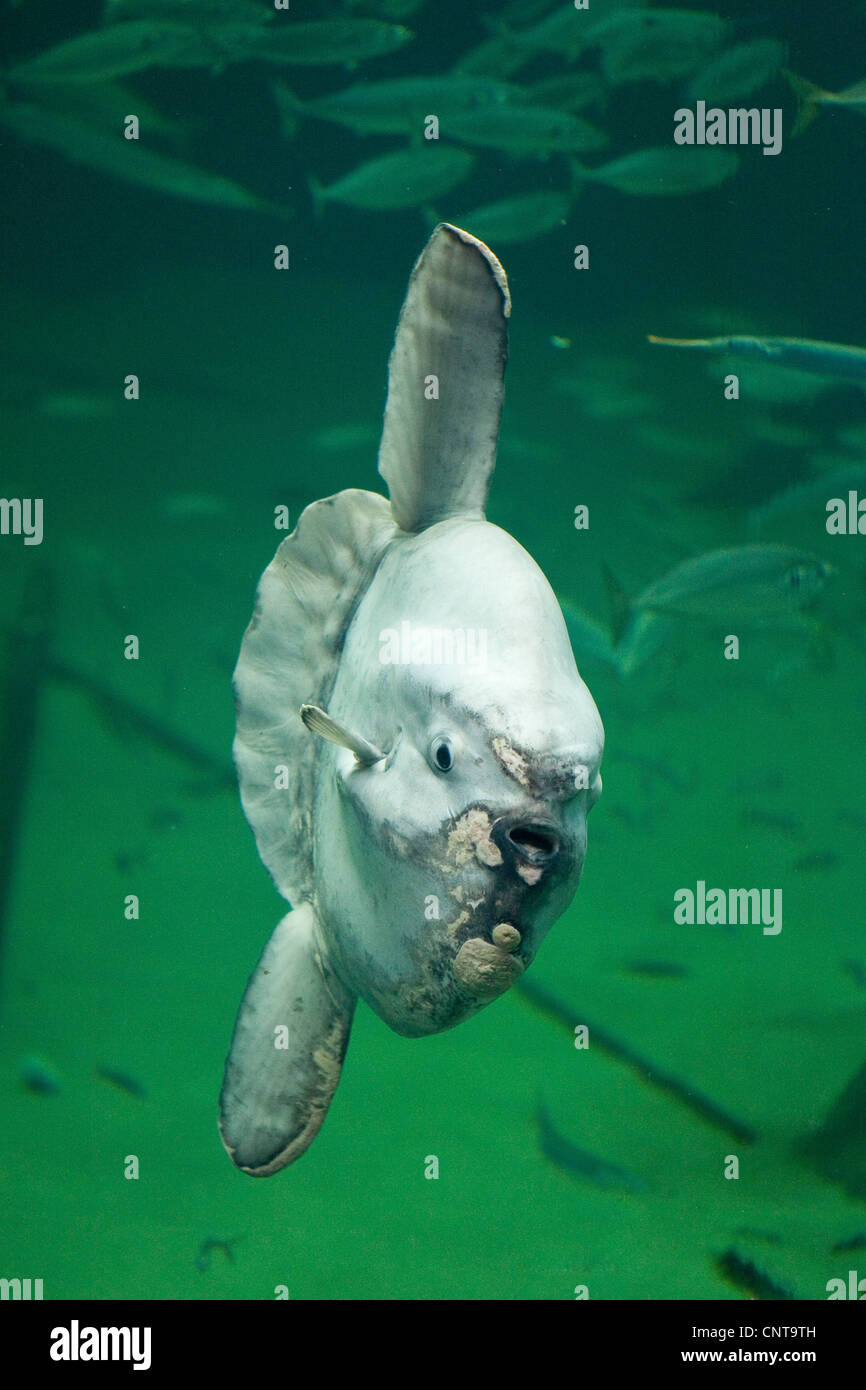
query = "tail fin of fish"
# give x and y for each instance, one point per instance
(808, 94)
(287, 1052)
(579, 175)
(290, 108)
(445, 383)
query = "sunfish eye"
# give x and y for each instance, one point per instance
(441, 753)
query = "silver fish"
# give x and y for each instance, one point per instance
(656, 45)
(809, 495)
(190, 11)
(403, 180)
(521, 218)
(523, 130)
(663, 170)
(128, 159)
(322, 42)
(737, 72)
(117, 51)
(759, 583)
(400, 105)
(425, 818)
(801, 354)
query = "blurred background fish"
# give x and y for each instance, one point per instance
(665, 515)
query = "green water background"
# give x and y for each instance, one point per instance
(241, 370)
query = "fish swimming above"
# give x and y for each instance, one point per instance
(655, 45)
(737, 72)
(138, 44)
(425, 818)
(118, 51)
(400, 105)
(580, 1162)
(802, 354)
(128, 159)
(402, 180)
(759, 583)
(192, 11)
(318, 43)
(519, 218)
(663, 170)
(524, 130)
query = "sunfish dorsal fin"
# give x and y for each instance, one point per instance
(438, 444)
(288, 658)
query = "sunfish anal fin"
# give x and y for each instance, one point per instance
(274, 1098)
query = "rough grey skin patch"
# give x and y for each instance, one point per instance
(426, 821)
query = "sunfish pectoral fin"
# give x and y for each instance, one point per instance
(287, 1051)
(318, 722)
(445, 383)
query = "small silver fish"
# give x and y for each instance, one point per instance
(580, 1162)
(403, 180)
(523, 130)
(39, 1076)
(808, 496)
(118, 51)
(400, 105)
(762, 583)
(663, 170)
(737, 72)
(656, 45)
(191, 11)
(322, 42)
(128, 159)
(521, 218)
(573, 91)
(801, 354)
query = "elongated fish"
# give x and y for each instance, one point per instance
(579, 1162)
(191, 11)
(138, 44)
(521, 218)
(809, 495)
(524, 130)
(655, 45)
(117, 51)
(128, 159)
(323, 41)
(757, 582)
(403, 180)
(737, 72)
(663, 170)
(400, 105)
(803, 354)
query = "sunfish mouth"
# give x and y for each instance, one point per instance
(536, 842)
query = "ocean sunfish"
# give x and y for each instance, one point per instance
(416, 751)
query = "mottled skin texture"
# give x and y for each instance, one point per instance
(521, 726)
(432, 826)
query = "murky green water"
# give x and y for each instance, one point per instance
(260, 388)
